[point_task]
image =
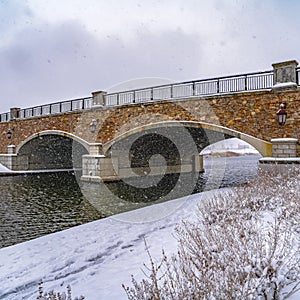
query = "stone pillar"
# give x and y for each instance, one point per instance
(9, 161)
(96, 149)
(11, 149)
(284, 147)
(198, 163)
(98, 168)
(285, 76)
(99, 98)
(14, 113)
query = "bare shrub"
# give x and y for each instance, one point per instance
(52, 295)
(275, 192)
(245, 245)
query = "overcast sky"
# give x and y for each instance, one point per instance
(54, 50)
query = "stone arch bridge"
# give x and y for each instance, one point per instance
(115, 135)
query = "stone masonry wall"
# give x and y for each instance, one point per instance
(23, 128)
(253, 113)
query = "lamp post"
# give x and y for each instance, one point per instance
(281, 114)
(9, 134)
(93, 126)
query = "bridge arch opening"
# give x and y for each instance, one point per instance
(51, 150)
(204, 134)
(230, 147)
(171, 151)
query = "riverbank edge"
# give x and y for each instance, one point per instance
(35, 172)
(120, 234)
(96, 257)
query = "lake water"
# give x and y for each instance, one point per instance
(35, 205)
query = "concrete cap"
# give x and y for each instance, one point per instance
(284, 140)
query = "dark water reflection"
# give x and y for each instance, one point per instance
(118, 197)
(35, 205)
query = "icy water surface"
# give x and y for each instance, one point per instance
(35, 205)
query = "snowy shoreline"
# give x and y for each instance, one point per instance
(97, 257)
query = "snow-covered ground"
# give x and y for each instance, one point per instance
(94, 258)
(3, 169)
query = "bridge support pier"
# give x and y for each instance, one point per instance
(13, 161)
(284, 153)
(99, 168)
(286, 147)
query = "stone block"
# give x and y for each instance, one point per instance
(284, 147)
(289, 152)
(99, 98)
(98, 165)
(278, 151)
(95, 149)
(285, 72)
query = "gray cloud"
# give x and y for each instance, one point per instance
(13, 13)
(65, 61)
(49, 61)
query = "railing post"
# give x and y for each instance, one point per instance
(193, 88)
(151, 94)
(218, 86)
(171, 91)
(285, 76)
(98, 98)
(285, 71)
(246, 87)
(14, 113)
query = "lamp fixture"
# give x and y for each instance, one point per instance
(9, 134)
(281, 114)
(93, 125)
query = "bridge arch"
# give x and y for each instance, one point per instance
(81, 141)
(52, 149)
(263, 147)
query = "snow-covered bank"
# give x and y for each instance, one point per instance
(4, 169)
(95, 258)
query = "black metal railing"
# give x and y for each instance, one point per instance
(5, 117)
(220, 85)
(56, 108)
(204, 87)
(51, 109)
